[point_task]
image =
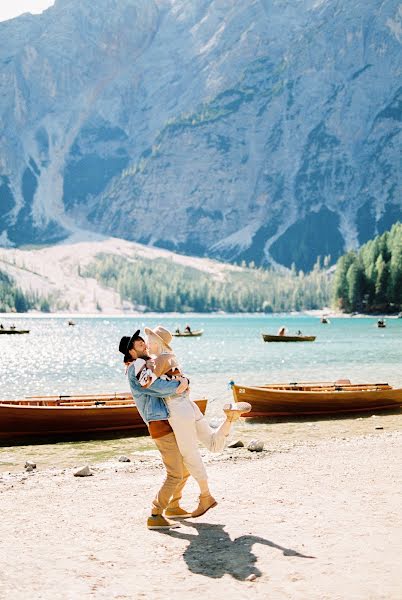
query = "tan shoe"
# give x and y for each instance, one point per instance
(160, 522)
(204, 504)
(234, 410)
(177, 513)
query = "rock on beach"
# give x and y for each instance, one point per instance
(83, 472)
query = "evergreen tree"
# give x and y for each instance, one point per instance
(373, 277)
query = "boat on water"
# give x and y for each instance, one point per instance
(316, 398)
(381, 323)
(13, 331)
(324, 320)
(38, 417)
(288, 338)
(195, 333)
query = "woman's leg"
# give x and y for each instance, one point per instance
(215, 439)
(182, 421)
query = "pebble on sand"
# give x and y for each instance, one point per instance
(83, 472)
(31, 464)
(251, 577)
(237, 444)
(256, 446)
(123, 458)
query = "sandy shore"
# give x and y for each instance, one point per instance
(315, 521)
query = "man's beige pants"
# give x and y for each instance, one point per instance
(171, 491)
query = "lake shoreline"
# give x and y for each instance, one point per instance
(319, 312)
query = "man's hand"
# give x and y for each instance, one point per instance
(184, 383)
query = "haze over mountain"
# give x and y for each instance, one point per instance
(264, 130)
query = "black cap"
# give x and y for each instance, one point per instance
(126, 344)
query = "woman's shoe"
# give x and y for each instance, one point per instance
(205, 503)
(234, 410)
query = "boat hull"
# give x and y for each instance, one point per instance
(271, 402)
(192, 334)
(20, 421)
(288, 338)
(13, 331)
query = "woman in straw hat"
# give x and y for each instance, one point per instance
(186, 419)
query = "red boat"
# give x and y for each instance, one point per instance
(65, 415)
(294, 399)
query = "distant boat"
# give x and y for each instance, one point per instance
(71, 323)
(294, 399)
(324, 320)
(14, 331)
(195, 333)
(381, 323)
(288, 338)
(70, 415)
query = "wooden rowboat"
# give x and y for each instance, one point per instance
(195, 333)
(13, 331)
(294, 399)
(70, 415)
(288, 338)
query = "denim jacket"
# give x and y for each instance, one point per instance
(149, 401)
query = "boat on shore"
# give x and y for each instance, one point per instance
(13, 331)
(195, 333)
(42, 416)
(316, 398)
(288, 338)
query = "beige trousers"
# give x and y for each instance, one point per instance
(171, 491)
(189, 426)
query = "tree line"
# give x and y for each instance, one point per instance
(164, 286)
(370, 280)
(13, 299)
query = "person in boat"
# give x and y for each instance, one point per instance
(12, 326)
(186, 419)
(187, 329)
(1, 326)
(177, 330)
(281, 331)
(298, 332)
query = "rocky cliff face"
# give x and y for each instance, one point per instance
(262, 130)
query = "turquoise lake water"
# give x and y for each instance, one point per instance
(57, 359)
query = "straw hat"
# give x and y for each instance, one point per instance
(161, 334)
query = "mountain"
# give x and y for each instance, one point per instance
(257, 130)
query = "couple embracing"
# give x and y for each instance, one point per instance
(176, 424)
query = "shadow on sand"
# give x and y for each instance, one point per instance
(211, 551)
